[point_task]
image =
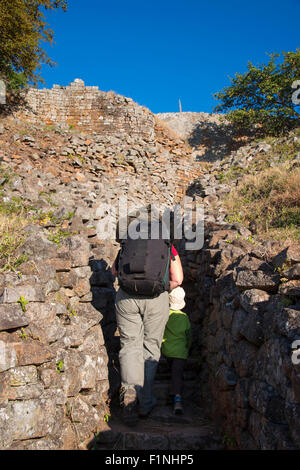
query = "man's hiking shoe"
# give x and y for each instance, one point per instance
(143, 414)
(128, 399)
(178, 408)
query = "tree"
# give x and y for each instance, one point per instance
(22, 29)
(264, 95)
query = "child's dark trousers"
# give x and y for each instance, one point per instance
(177, 368)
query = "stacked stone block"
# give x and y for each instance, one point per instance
(88, 109)
(244, 304)
(53, 357)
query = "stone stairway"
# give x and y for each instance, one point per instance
(162, 430)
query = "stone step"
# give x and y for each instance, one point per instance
(192, 415)
(161, 431)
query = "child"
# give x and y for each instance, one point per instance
(176, 343)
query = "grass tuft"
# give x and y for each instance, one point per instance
(269, 201)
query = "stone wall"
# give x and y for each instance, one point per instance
(209, 134)
(58, 357)
(53, 359)
(243, 300)
(88, 109)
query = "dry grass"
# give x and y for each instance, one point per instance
(16, 214)
(268, 201)
(11, 237)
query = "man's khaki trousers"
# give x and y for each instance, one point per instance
(141, 323)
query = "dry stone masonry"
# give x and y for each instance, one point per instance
(53, 362)
(88, 109)
(71, 150)
(244, 303)
(210, 135)
(58, 340)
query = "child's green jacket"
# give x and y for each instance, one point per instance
(177, 336)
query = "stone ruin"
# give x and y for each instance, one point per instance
(58, 337)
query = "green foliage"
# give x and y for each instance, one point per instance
(15, 206)
(50, 128)
(23, 303)
(235, 217)
(71, 312)
(7, 174)
(23, 334)
(58, 236)
(45, 218)
(21, 259)
(22, 29)
(14, 80)
(232, 173)
(287, 301)
(263, 95)
(229, 441)
(70, 215)
(71, 156)
(60, 366)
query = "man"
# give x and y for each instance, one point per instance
(141, 321)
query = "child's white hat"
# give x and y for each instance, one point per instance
(176, 298)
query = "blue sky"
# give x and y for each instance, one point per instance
(159, 52)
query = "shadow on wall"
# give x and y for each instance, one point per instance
(13, 102)
(103, 300)
(215, 139)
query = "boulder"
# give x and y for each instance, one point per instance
(290, 288)
(37, 245)
(288, 256)
(33, 418)
(11, 316)
(29, 293)
(254, 300)
(292, 273)
(247, 279)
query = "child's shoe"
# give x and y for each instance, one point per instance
(178, 408)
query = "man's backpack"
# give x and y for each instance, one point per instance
(143, 266)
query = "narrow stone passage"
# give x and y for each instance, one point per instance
(163, 430)
(58, 338)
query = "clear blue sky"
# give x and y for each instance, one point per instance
(163, 50)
